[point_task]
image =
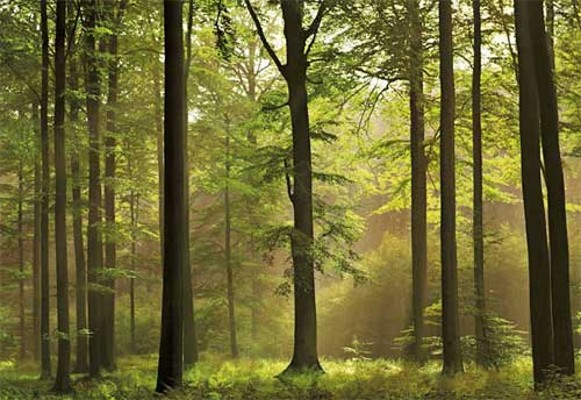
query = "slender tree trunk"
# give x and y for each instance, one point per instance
(22, 314)
(228, 256)
(564, 353)
(36, 241)
(82, 360)
(110, 246)
(190, 339)
(94, 242)
(134, 208)
(538, 253)
(305, 334)
(44, 273)
(62, 383)
(482, 344)
(160, 165)
(418, 161)
(170, 367)
(450, 314)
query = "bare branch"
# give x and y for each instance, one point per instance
(263, 39)
(313, 29)
(274, 108)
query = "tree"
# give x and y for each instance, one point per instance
(294, 72)
(419, 165)
(62, 383)
(564, 353)
(44, 273)
(82, 360)
(94, 242)
(538, 252)
(482, 346)
(170, 366)
(450, 314)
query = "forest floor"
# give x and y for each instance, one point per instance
(255, 380)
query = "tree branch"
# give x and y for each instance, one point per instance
(313, 29)
(263, 39)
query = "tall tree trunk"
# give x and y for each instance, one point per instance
(418, 161)
(22, 313)
(110, 144)
(228, 256)
(170, 367)
(94, 242)
(82, 360)
(564, 353)
(482, 343)
(36, 240)
(190, 339)
(160, 165)
(62, 383)
(305, 334)
(44, 273)
(450, 314)
(538, 253)
(133, 210)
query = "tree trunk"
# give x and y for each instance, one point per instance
(170, 367)
(564, 353)
(538, 253)
(305, 355)
(82, 361)
(62, 383)
(450, 315)
(36, 242)
(482, 344)
(228, 256)
(418, 161)
(190, 339)
(160, 166)
(94, 242)
(110, 246)
(133, 210)
(22, 319)
(44, 273)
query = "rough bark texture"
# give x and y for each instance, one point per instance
(418, 161)
(564, 354)
(94, 242)
(62, 383)
(450, 315)
(538, 253)
(44, 273)
(170, 367)
(482, 343)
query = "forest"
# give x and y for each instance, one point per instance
(290, 199)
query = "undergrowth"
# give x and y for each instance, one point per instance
(215, 379)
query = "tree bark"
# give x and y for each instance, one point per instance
(62, 383)
(44, 273)
(564, 353)
(228, 256)
(418, 162)
(305, 355)
(22, 314)
(480, 328)
(538, 253)
(190, 338)
(94, 241)
(82, 360)
(450, 315)
(36, 240)
(170, 367)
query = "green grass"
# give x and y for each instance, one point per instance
(216, 379)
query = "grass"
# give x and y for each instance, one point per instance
(247, 379)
